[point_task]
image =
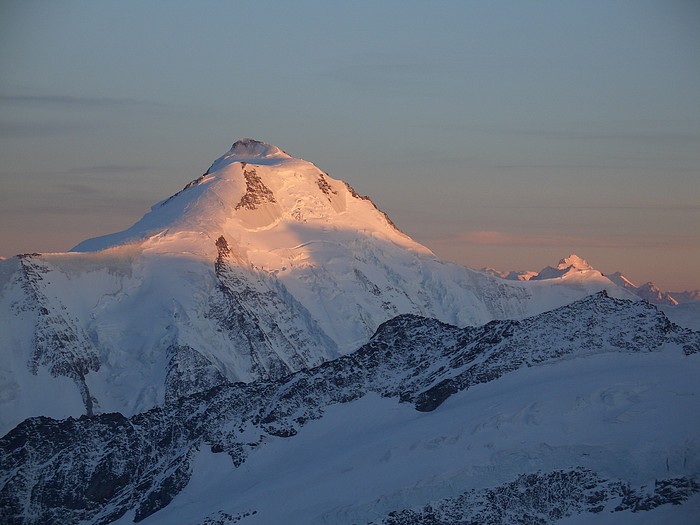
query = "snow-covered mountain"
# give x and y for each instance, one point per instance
(652, 293)
(262, 266)
(266, 346)
(584, 414)
(569, 265)
(681, 307)
(686, 296)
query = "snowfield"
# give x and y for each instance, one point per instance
(622, 416)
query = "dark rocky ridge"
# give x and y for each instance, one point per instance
(544, 498)
(98, 468)
(256, 192)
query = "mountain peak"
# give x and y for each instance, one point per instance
(255, 149)
(575, 262)
(573, 265)
(275, 206)
(250, 151)
(650, 292)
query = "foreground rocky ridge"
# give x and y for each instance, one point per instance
(544, 498)
(99, 468)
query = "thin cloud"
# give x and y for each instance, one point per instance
(593, 135)
(370, 71)
(99, 206)
(69, 101)
(609, 166)
(498, 238)
(75, 188)
(41, 129)
(107, 169)
(104, 169)
(630, 132)
(492, 237)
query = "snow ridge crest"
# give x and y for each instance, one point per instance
(251, 151)
(252, 148)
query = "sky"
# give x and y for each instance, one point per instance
(506, 134)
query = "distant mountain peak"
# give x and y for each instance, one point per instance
(575, 262)
(573, 265)
(650, 292)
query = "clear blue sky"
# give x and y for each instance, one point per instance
(503, 134)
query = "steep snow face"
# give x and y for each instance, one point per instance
(621, 280)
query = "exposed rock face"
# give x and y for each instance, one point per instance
(60, 343)
(263, 321)
(324, 186)
(256, 191)
(544, 498)
(189, 372)
(98, 468)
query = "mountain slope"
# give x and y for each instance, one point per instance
(568, 389)
(262, 266)
(575, 269)
(648, 291)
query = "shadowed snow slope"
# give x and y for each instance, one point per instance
(262, 266)
(585, 410)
